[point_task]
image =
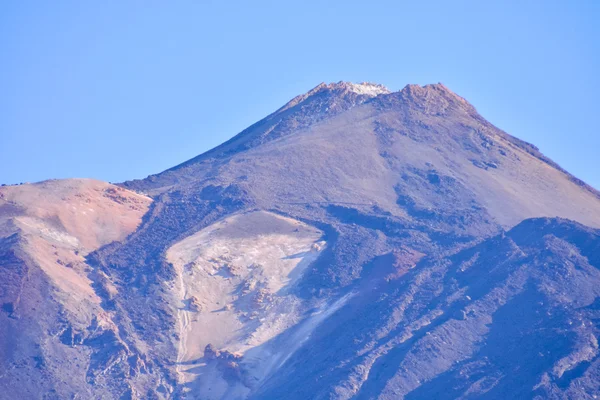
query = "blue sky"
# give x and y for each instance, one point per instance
(118, 90)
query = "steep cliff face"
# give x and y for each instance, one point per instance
(356, 243)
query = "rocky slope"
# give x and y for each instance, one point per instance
(356, 243)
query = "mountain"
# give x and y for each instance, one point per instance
(356, 243)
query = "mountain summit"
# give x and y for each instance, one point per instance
(365, 142)
(357, 243)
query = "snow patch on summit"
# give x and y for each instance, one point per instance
(366, 88)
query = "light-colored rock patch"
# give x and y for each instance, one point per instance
(233, 287)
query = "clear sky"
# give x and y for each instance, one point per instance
(117, 90)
